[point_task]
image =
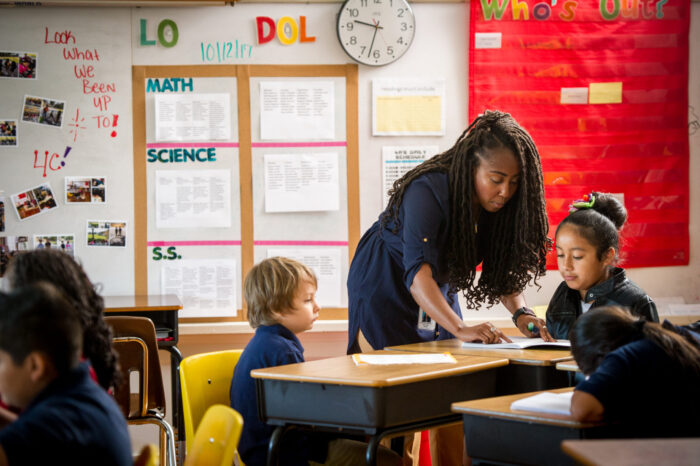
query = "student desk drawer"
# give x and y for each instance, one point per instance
(375, 400)
(495, 434)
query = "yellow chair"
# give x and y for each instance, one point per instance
(217, 438)
(205, 380)
(148, 456)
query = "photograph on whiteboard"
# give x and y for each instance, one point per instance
(14, 243)
(62, 242)
(85, 189)
(2, 214)
(43, 111)
(106, 233)
(18, 65)
(8, 133)
(34, 201)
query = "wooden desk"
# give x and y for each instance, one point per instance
(495, 433)
(163, 311)
(374, 400)
(570, 366)
(634, 452)
(529, 370)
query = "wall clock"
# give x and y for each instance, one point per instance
(375, 32)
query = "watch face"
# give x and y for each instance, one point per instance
(375, 32)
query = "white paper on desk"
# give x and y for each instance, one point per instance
(386, 359)
(206, 287)
(547, 402)
(193, 117)
(294, 110)
(325, 262)
(521, 343)
(193, 198)
(301, 182)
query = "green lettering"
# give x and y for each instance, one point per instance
(161, 33)
(487, 6)
(605, 13)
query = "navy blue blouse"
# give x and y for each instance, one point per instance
(385, 264)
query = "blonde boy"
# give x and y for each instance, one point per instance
(280, 294)
(281, 298)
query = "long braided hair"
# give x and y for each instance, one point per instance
(62, 271)
(515, 250)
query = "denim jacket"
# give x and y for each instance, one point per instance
(565, 305)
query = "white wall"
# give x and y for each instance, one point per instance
(439, 51)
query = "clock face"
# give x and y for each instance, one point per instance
(375, 32)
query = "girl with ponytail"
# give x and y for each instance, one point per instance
(587, 245)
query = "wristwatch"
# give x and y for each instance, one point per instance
(521, 311)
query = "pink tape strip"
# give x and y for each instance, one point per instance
(157, 145)
(300, 243)
(194, 243)
(300, 144)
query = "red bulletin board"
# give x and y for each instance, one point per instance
(602, 87)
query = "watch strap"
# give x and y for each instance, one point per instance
(521, 311)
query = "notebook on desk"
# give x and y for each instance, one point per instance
(521, 343)
(547, 402)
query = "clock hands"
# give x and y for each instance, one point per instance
(376, 26)
(373, 37)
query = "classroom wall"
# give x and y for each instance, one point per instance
(439, 51)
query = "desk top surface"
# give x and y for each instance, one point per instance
(531, 357)
(570, 366)
(499, 407)
(343, 371)
(166, 302)
(634, 452)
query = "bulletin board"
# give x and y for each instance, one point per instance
(253, 232)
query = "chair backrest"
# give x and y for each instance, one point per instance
(142, 327)
(216, 439)
(133, 357)
(205, 380)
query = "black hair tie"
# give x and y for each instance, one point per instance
(639, 326)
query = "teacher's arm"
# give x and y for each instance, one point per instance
(516, 301)
(427, 294)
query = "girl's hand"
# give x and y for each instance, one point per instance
(485, 333)
(539, 328)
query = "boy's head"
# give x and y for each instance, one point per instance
(279, 290)
(40, 340)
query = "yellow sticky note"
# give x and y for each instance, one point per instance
(605, 93)
(408, 114)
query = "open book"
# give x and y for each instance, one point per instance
(521, 343)
(545, 402)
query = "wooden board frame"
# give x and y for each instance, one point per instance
(243, 75)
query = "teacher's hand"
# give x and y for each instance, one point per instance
(485, 333)
(532, 327)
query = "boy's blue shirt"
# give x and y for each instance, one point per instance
(72, 421)
(272, 345)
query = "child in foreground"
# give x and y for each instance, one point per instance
(641, 375)
(280, 294)
(587, 245)
(66, 417)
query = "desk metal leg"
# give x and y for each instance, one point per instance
(371, 455)
(178, 419)
(274, 446)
